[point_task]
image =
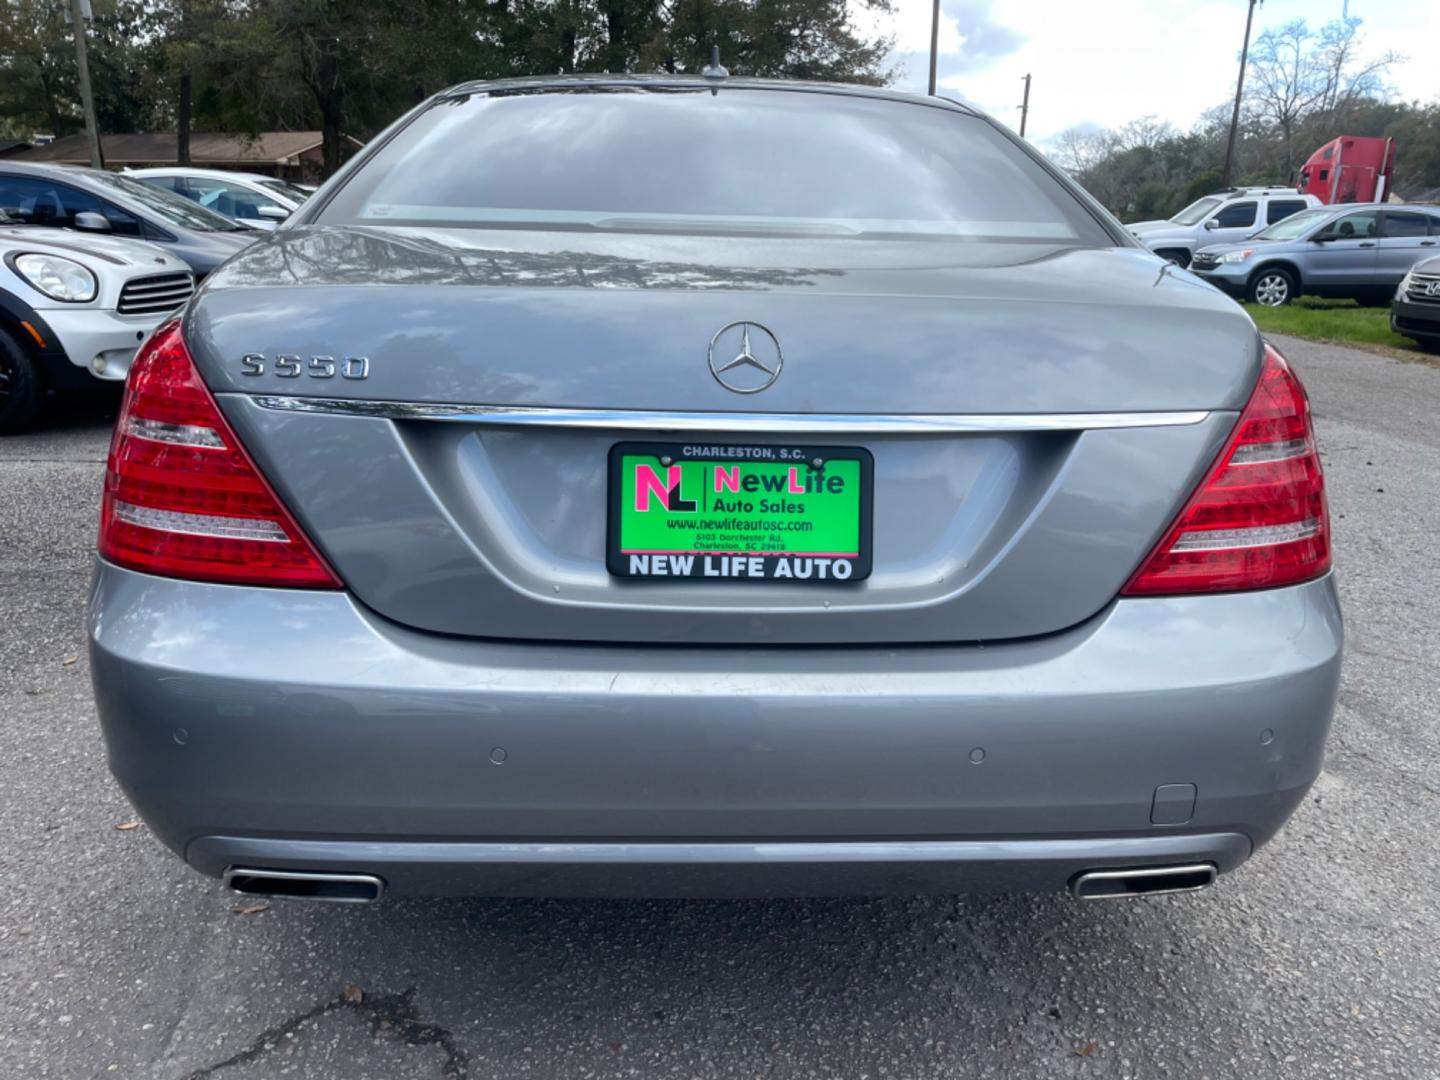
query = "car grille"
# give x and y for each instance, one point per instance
(1421, 286)
(155, 295)
(1204, 262)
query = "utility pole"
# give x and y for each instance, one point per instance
(1239, 92)
(1025, 107)
(934, 43)
(182, 118)
(79, 12)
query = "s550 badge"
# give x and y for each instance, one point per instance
(315, 367)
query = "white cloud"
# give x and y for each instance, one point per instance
(1106, 62)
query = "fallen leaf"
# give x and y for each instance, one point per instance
(351, 994)
(1087, 1049)
(126, 826)
(69, 660)
(250, 909)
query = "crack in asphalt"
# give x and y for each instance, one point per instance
(389, 1016)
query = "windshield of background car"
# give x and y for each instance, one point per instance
(1294, 226)
(1196, 210)
(173, 208)
(295, 194)
(743, 161)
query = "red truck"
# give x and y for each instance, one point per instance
(1349, 169)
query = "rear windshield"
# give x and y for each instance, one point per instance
(1196, 210)
(295, 194)
(740, 161)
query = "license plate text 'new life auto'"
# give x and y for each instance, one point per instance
(726, 512)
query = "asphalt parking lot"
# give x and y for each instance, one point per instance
(1320, 958)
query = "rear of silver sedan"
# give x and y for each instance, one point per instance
(902, 528)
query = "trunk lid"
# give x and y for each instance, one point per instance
(1005, 392)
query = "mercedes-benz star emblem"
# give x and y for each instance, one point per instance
(754, 357)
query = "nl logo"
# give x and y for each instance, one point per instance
(668, 490)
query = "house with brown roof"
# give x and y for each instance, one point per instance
(289, 155)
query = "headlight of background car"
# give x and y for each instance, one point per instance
(57, 278)
(1405, 282)
(1237, 256)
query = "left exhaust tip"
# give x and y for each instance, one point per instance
(319, 885)
(1143, 881)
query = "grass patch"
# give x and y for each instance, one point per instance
(1341, 322)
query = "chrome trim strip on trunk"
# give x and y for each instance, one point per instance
(779, 423)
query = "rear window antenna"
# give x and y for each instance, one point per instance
(715, 73)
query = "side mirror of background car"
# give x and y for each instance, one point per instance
(273, 213)
(1212, 224)
(90, 221)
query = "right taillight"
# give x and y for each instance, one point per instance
(1259, 518)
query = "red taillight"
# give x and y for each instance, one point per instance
(182, 498)
(1259, 519)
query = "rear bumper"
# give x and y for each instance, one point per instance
(715, 869)
(297, 730)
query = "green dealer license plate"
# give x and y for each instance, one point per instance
(748, 513)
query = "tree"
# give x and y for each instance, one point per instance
(38, 80)
(1303, 89)
(37, 70)
(1295, 72)
(1077, 150)
(184, 33)
(349, 67)
(358, 63)
(798, 39)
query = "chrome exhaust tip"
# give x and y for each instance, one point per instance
(1144, 881)
(330, 888)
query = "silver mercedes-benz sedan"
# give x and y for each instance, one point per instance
(701, 486)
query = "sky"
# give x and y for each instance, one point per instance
(1105, 62)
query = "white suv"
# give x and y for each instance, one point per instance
(1232, 214)
(74, 307)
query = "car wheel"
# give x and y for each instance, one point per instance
(21, 391)
(1176, 257)
(1272, 288)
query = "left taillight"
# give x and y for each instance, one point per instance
(182, 497)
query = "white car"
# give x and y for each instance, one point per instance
(1228, 215)
(74, 307)
(251, 198)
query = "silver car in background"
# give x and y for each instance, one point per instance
(691, 486)
(1415, 310)
(74, 308)
(253, 199)
(96, 201)
(1358, 251)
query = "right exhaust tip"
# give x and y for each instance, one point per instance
(327, 887)
(1143, 881)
